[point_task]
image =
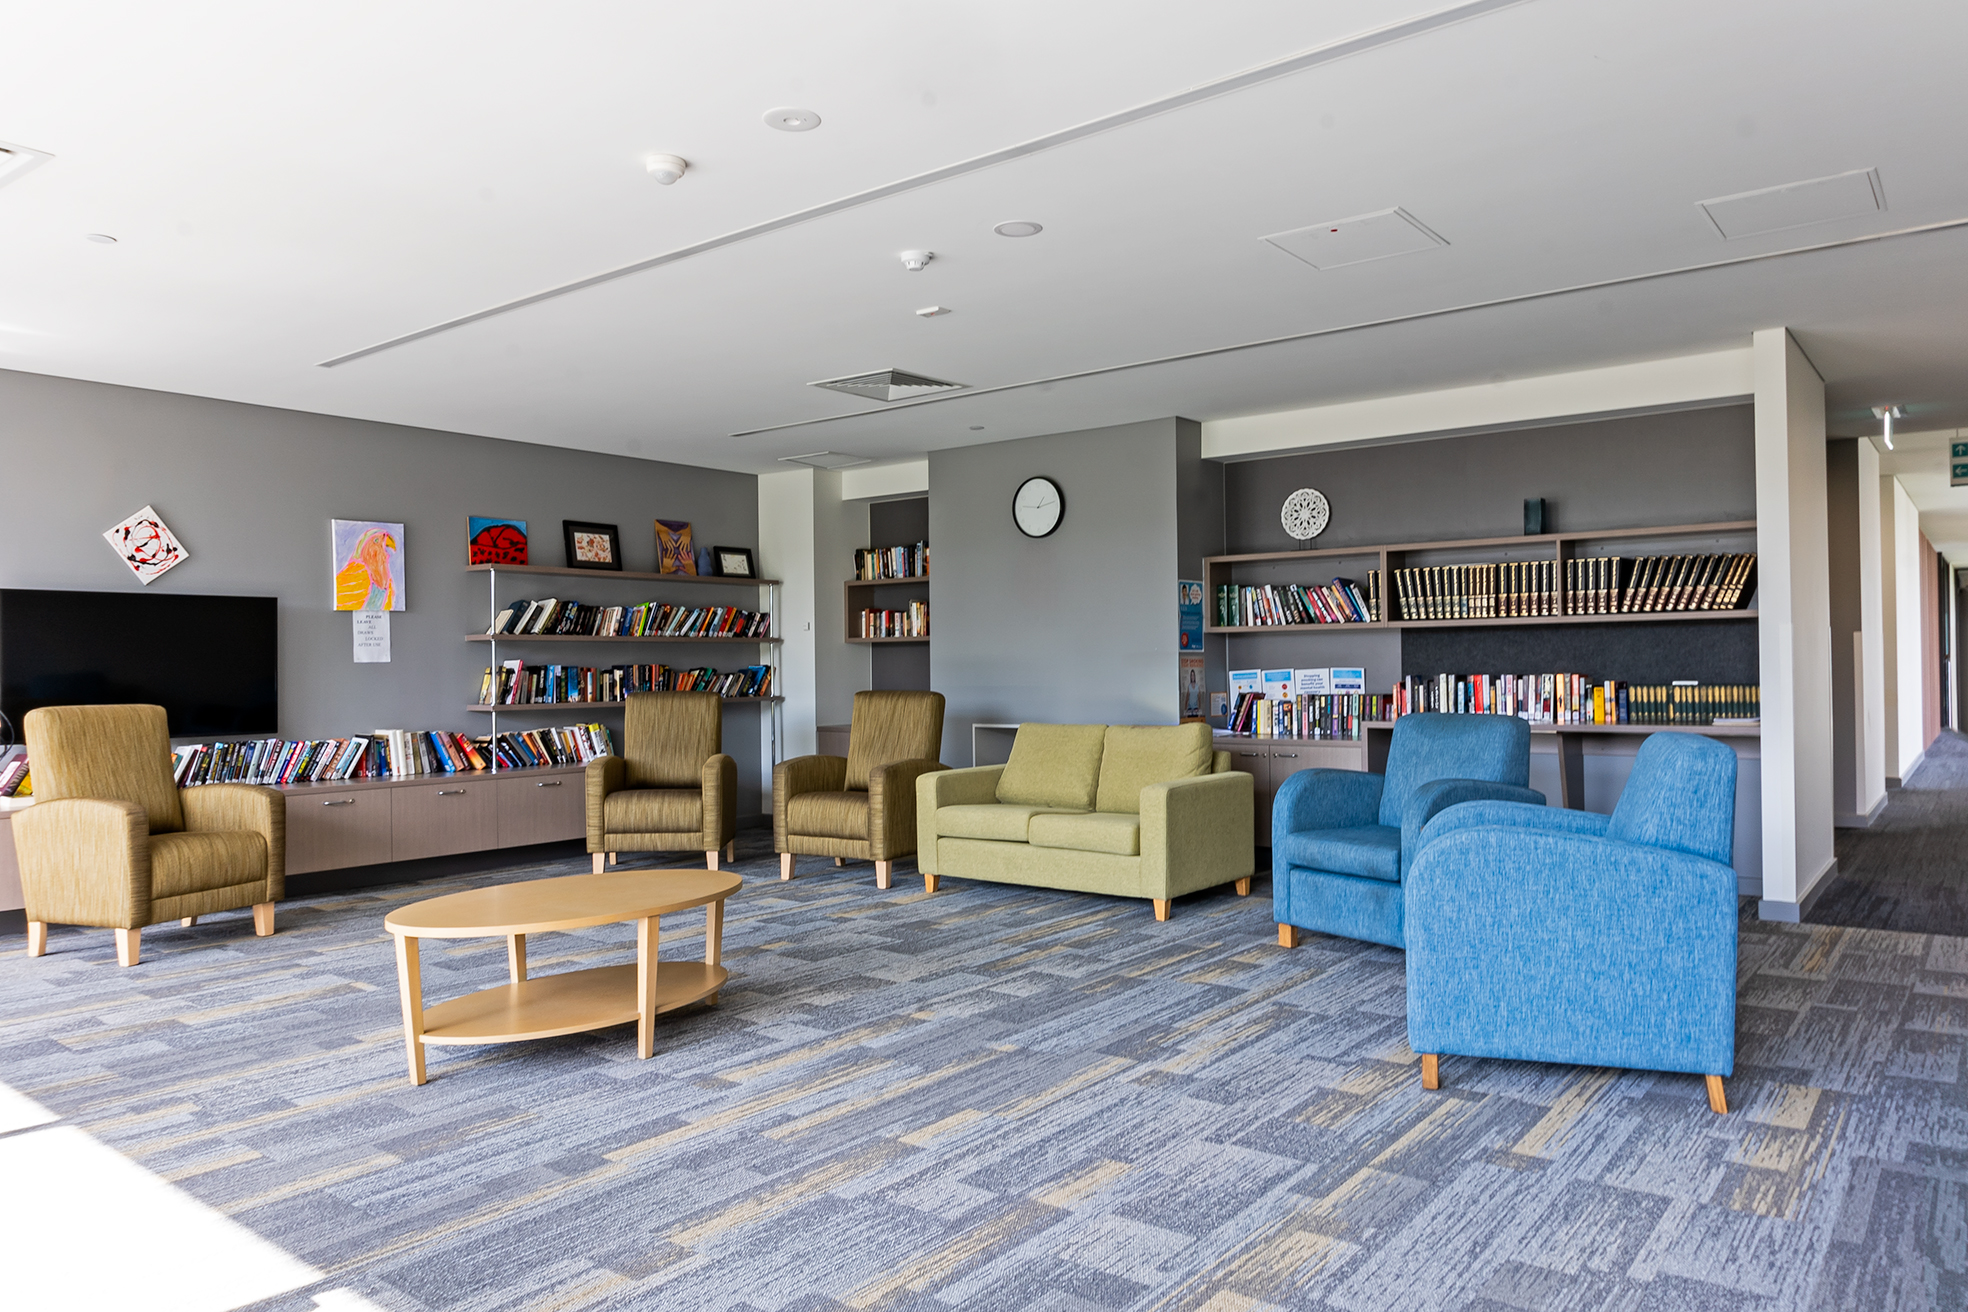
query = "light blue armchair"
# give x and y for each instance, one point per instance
(1546, 935)
(1340, 839)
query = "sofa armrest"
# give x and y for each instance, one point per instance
(1197, 833)
(1550, 946)
(609, 774)
(1325, 799)
(244, 807)
(1438, 795)
(85, 861)
(892, 806)
(976, 786)
(1511, 815)
(802, 774)
(720, 800)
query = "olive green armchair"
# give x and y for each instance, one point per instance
(860, 806)
(112, 842)
(672, 789)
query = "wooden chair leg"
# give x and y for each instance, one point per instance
(839, 861)
(1431, 1071)
(1162, 907)
(930, 882)
(614, 857)
(188, 921)
(883, 869)
(785, 865)
(37, 938)
(711, 859)
(129, 946)
(1243, 886)
(731, 850)
(1718, 1102)
(1287, 935)
(600, 859)
(263, 918)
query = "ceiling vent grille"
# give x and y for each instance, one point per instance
(825, 459)
(888, 385)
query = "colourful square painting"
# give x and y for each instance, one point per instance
(496, 541)
(674, 554)
(369, 568)
(147, 545)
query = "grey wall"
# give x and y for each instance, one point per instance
(900, 524)
(1077, 627)
(250, 491)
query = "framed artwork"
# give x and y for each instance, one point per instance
(147, 545)
(369, 565)
(674, 554)
(592, 546)
(494, 541)
(734, 562)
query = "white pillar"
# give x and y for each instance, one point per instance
(1794, 628)
(786, 553)
(1907, 677)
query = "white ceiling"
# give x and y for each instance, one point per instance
(289, 184)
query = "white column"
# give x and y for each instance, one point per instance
(1872, 638)
(1907, 678)
(1794, 629)
(786, 553)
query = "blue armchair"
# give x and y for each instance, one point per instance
(1546, 935)
(1340, 839)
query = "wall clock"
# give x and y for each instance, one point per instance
(1037, 507)
(1306, 513)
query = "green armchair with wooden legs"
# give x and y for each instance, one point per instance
(861, 806)
(672, 789)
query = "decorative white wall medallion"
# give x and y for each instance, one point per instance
(1306, 513)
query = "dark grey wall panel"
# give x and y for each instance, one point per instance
(1719, 651)
(898, 523)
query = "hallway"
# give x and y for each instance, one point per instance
(1910, 870)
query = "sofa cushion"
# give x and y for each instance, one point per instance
(1371, 851)
(1087, 831)
(828, 815)
(993, 820)
(197, 862)
(653, 811)
(1136, 755)
(1053, 765)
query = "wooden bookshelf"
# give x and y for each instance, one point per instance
(881, 642)
(504, 708)
(854, 605)
(612, 637)
(718, 580)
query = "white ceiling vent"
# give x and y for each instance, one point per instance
(825, 460)
(1363, 237)
(888, 385)
(16, 160)
(1797, 204)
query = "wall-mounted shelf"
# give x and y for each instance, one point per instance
(854, 600)
(1496, 622)
(611, 637)
(506, 708)
(882, 642)
(889, 583)
(720, 580)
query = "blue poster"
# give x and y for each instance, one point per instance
(1189, 603)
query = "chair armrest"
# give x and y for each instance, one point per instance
(1326, 799)
(892, 806)
(248, 808)
(1438, 795)
(720, 800)
(1511, 815)
(802, 774)
(1550, 946)
(976, 786)
(609, 774)
(85, 861)
(1197, 833)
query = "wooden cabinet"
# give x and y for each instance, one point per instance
(1255, 761)
(532, 810)
(438, 817)
(1271, 761)
(328, 828)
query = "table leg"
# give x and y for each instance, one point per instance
(516, 957)
(1571, 770)
(648, 936)
(713, 938)
(410, 982)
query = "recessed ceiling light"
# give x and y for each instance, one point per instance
(790, 118)
(1019, 228)
(102, 237)
(16, 160)
(666, 168)
(931, 311)
(825, 460)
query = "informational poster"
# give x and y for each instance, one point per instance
(1192, 686)
(372, 637)
(1189, 603)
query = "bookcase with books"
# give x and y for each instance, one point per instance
(887, 600)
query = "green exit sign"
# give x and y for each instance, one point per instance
(1958, 464)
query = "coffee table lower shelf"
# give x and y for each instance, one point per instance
(568, 1003)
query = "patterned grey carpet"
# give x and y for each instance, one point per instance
(1910, 869)
(1003, 1098)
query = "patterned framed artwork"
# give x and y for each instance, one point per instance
(674, 553)
(592, 546)
(147, 545)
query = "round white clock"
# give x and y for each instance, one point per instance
(1037, 507)
(1306, 513)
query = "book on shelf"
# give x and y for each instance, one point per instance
(1561, 698)
(1340, 716)
(516, 683)
(873, 564)
(14, 781)
(910, 623)
(1596, 585)
(553, 617)
(1343, 601)
(386, 753)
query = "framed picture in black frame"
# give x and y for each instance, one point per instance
(734, 562)
(592, 546)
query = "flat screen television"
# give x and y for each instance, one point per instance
(212, 663)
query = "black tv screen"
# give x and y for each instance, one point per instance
(211, 662)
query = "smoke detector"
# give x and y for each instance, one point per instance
(825, 460)
(666, 169)
(917, 261)
(888, 385)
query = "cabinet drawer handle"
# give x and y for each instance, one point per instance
(346, 801)
(1249, 756)
(449, 792)
(547, 783)
(1289, 756)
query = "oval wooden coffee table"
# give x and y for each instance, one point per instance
(575, 1000)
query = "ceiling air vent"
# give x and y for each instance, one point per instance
(888, 385)
(1797, 204)
(825, 459)
(1340, 242)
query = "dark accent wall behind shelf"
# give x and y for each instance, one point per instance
(900, 524)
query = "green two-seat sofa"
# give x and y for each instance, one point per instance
(1145, 811)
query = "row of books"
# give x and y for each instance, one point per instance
(1560, 698)
(386, 753)
(1339, 716)
(515, 683)
(15, 779)
(1680, 583)
(875, 563)
(1342, 601)
(910, 623)
(650, 619)
(1458, 592)
(1597, 585)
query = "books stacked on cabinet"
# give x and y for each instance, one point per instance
(553, 617)
(1342, 716)
(386, 753)
(910, 623)
(873, 564)
(1568, 699)
(516, 683)
(1343, 601)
